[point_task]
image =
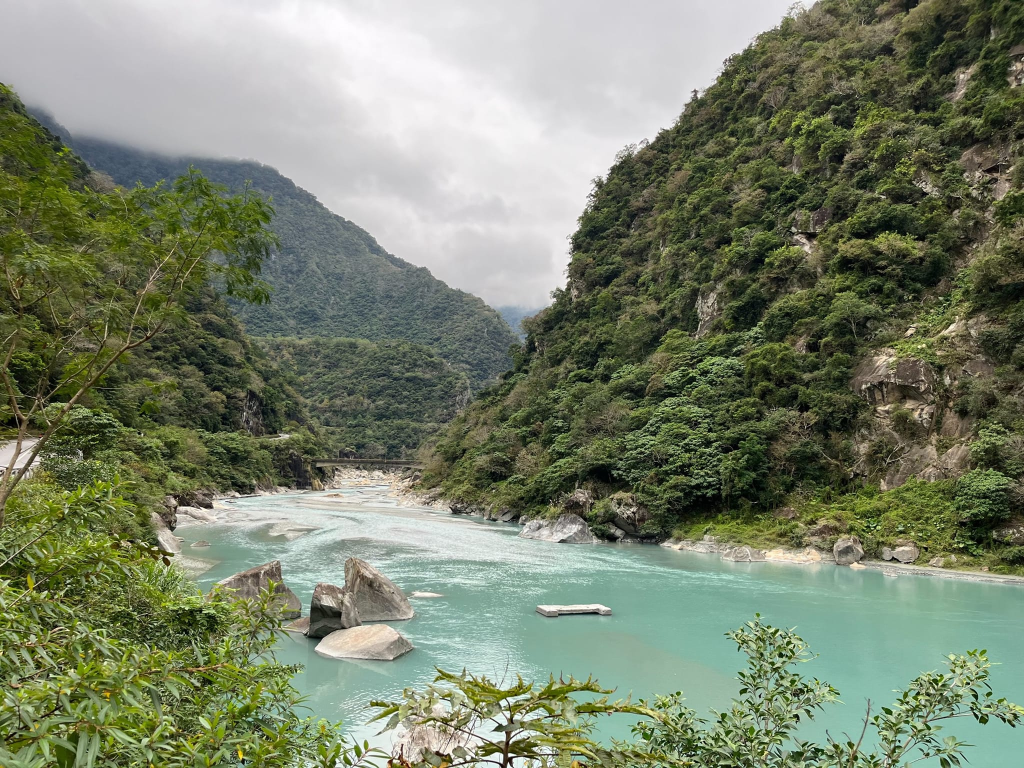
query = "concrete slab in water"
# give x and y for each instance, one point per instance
(562, 610)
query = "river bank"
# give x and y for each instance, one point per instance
(400, 487)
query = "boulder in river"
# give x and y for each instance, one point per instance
(848, 550)
(331, 609)
(566, 529)
(249, 584)
(375, 596)
(378, 642)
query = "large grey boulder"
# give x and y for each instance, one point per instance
(566, 529)
(166, 540)
(378, 642)
(331, 609)
(249, 584)
(904, 552)
(848, 551)
(374, 596)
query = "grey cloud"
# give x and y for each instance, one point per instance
(462, 134)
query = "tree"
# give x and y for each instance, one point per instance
(91, 685)
(88, 276)
(848, 309)
(481, 722)
(760, 727)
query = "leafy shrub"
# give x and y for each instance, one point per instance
(983, 499)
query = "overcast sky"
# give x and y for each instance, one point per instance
(462, 134)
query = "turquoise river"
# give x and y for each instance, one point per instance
(671, 609)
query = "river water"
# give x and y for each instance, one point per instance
(873, 633)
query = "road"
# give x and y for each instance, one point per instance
(7, 453)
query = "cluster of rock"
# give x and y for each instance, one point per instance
(336, 614)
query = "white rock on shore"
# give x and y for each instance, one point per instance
(737, 553)
(566, 529)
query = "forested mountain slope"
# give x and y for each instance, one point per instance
(805, 292)
(184, 411)
(330, 277)
(372, 398)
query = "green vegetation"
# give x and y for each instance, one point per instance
(111, 658)
(849, 187)
(524, 724)
(91, 276)
(329, 278)
(375, 399)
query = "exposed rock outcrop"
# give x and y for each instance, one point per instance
(566, 529)
(197, 498)
(250, 583)
(579, 502)
(848, 550)
(377, 642)
(806, 556)
(374, 595)
(1015, 74)
(630, 515)
(884, 379)
(963, 79)
(298, 627)
(169, 511)
(166, 540)
(707, 312)
(1013, 533)
(706, 546)
(332, 608)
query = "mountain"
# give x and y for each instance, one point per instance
(373, 398)
(514, 316)
(796, 313)
(185, 411)
(330, 277)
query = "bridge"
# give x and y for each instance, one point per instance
(368, 463)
